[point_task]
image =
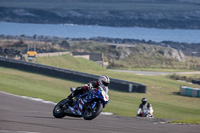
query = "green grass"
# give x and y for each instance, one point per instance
(162, 92)
(188, 77)
(157, 69)
(34, 85)
(67, 61)
(197, 121)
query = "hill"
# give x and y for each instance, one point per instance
(143, 13)
(129, 54)
(138, 55)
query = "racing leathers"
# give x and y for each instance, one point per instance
(82, 89)
(145, 110)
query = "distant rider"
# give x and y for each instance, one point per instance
(103, 81)
(145, 109)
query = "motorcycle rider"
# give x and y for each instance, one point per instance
(145, 109)
(103, 81)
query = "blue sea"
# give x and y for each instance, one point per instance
(87, 31)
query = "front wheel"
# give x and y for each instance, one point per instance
(90, 113)
(58, 111)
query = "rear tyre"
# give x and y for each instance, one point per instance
(90, 114)
(58, 111)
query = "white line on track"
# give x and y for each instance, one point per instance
(43, 101)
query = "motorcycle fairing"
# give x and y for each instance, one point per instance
(88, 97)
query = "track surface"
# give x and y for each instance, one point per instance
(19, 115)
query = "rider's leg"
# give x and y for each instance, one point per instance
(78, 90)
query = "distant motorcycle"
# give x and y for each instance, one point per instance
(88, 105)
(146, 115)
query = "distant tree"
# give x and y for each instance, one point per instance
(19, 43)
(65, 44)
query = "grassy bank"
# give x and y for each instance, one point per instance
(197, 121)
(69, 62)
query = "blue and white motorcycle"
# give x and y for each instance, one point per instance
(88, 105)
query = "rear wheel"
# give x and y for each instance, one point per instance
(58, 111)
(90, 113)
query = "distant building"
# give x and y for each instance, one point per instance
(96, 57)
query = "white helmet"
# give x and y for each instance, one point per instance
(104, 81)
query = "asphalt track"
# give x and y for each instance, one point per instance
(19, 115)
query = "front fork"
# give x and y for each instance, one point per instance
(93, 104)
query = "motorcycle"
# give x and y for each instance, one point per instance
(145, 115)
(88, 105)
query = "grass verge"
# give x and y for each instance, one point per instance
(193, 121)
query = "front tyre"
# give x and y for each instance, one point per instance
(58, 111)
(90, 114)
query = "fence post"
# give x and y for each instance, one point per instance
(130, 87)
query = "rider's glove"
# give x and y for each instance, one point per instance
(94, 89)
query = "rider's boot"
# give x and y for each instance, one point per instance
(75, 92)
(69, 98)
